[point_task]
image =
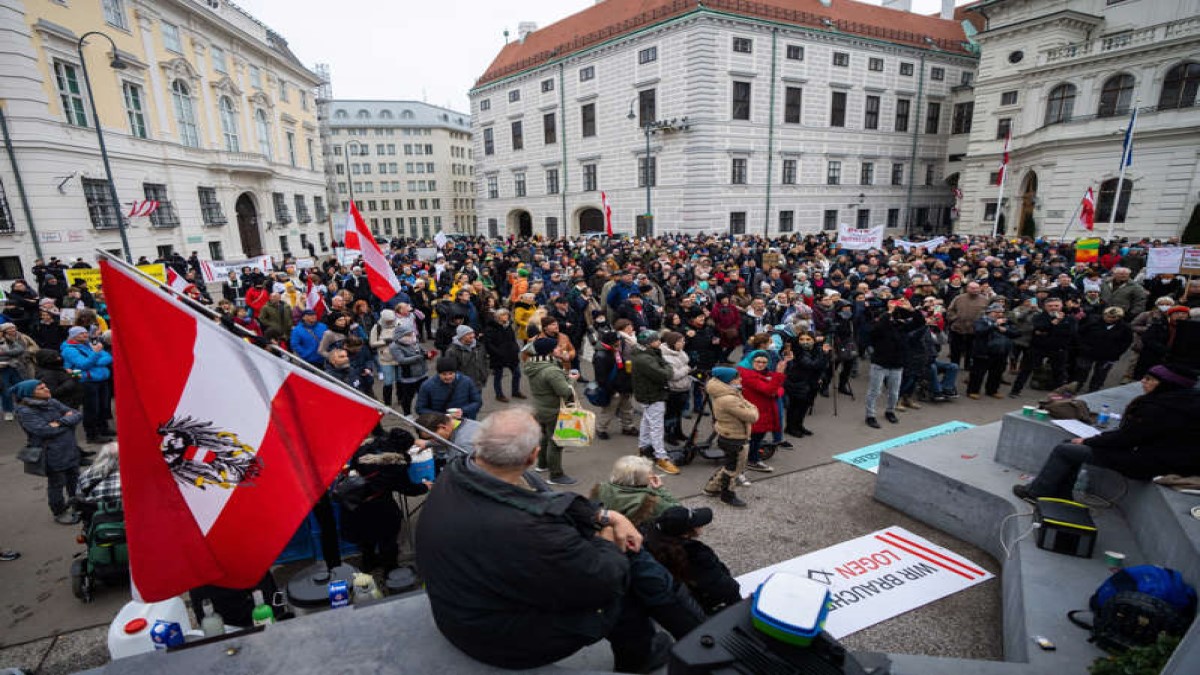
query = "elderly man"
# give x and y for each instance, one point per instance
(520, 576)
(1121, 291)
(960, 318)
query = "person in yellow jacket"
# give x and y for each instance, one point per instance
(523, 310)
(292, 297)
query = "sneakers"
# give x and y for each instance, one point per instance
(67, 518)
(911, 404)
(901, 408)
(759, 466)
(973, 397)
(1022, 492)
(891, 417)
(666, 466)
(502, 398)
(730, 497)
(8, 417)
(563, 479)
(941, 398)
(8, 554)
(742, 481)
(540, 469)
(603, 435)
(872, 422)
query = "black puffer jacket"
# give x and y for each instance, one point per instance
(1158, 435)
(804, 372)
(1104, 341)
(500, 341)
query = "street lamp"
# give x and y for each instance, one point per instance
(346, 161)
(116, 64)
(645, 162)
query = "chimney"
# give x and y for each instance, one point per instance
(947, 9)
(902, 5)
(524, 29)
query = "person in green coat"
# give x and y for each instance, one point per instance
(651, 373)
(549, 387)
(634, 490)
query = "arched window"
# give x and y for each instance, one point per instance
(363, 114)
(1060, 104)
(341, 114)
(264, 132)
(1180, 85)
(1104, 205)
(385, 114)
(1115, 95)
(185, 114)
(229, 126)
(407, 114)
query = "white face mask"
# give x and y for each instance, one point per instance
(1164, 308)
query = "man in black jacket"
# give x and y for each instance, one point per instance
(1102, 342)
(889, 336)
(1053, 331)
(520, 576)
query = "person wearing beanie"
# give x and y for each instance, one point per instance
(469, 357)
(651, 374)
(94, 365)
(549, 387)
(50, 425)
(1157, 436)
(12, 363)
(412, 366)
(380, 339)
(611, 364)
(450, 393)
(503, 352)
(733, 418)
(674, 540)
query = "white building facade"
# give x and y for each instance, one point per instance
(776, 124)
(1064, 76)
(212, 116)
(409, 166)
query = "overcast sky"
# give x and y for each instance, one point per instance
(430, 50)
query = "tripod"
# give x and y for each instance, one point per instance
(835, 342)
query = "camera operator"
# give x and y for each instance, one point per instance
(889, 333)
(993, 342)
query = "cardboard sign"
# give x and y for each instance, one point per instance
(867, 458)
(218, 270)
(1163, 260)
(92, 276)
(878, 576)
(1191, 261)
(855, 239)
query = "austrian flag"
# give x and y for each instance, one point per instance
(224, 447)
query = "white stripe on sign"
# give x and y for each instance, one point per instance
(878, 576)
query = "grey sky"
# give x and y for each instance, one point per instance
(431, 50)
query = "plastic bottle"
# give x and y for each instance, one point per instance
(1081, 483)
(262, 613)
(212, 624)
(1103, 417)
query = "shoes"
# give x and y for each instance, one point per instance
(940, 398)
(1014, 394)
(710, 493)
(911, 404)
(8, 554)
(824, 393)
(872, 422)
(540, 469)
(900, 408)
(804, 431)
(666, 466)
(87, 454)
(973, 397)
(1022, 492)
(786, 445)
(759, 466)
(8, 417)
(996, 395)
(742, 481)
(603, 435)
(794, 432)
(563, 479)
(845, 390)
(629, 432)
(67, 518)
(519, 395)
(891, 417)
(730, 497)
(1005, 382)
(98, 440)
(583, 380)
(502, 398)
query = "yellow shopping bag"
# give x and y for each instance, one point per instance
(576, 427)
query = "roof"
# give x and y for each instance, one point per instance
(356, 113)
(609, 19)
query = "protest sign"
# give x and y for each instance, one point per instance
(855, 239)
(867, 458)
(91, 276)
(927, 245)
(1163, 260)
(426, 252)
(877, 576)
(218, 270)
(1190, 264)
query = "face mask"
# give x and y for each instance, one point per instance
(807, 345)
(845, 314)
(1164, 308)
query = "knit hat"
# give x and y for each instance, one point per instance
(5, 326)
(679, 520)
(1177, 309)
(387, 317)
(995, 307)
(446, 365)
(522, 272)
(75, 332)
(463, 331)
(724, 374)
(1175, 374)
(648, 337)
(544, 346)
(24, 388)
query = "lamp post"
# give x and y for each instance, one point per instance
(645, 162)
(346, 161)
(116, 64)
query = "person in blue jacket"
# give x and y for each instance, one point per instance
(450, 389)
(82, 354)
(306, 338)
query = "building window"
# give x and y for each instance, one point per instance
(66, 79)
(787, 220)
(302, 215)
(933, 117)
(215, 251)
(7, 224)
(893, 218)
(518, 135)
(1003, 127)
(549, 129)
(937, 74)
(518, 184)
(833, 173)
(284, 245)
(228, 123)
(489, 142)
(218, 59)
(962, 117)
(590, 178)
(485, 105)
(164, 215)
(493, 188)
(837, 109)
(906, 69)
(170, 36)
(1060, 104)
(841, 59)
(290, 139)
(646, 107)
(587, 115)
(210, 208)
(1115, 95)
(648, 55)
(547, 85)
(795, 53)
(134, 109)
(1104, 204)
(319, 210)
(741, 100)
(792, 98)
(551, 181)
(114, 13)
(897, 173)
(101, 210)
(743, 45)
(322, 241)
(737, 222)
(862, 219)
(282, 215)
(1180, 86)
(830, 219)
(588, 73)
(312, 155)
(552, 227)
(866, 174)
(875, 64)
(514, 96)
(902, 107)
(994, 178)
(493, 228)
(738, 171)
(871, 114)
(185, 114)
(648, 164)
(929, 173)
(789, 172)
(966, 78)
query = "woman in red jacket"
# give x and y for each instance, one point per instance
(257, 297)
(763, 388)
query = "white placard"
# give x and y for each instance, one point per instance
(877, 576)
(1163, 260)
(426, 252)
(440, 239)
(1080, 429)
(218, 270)
(855, 239)
(927, 245)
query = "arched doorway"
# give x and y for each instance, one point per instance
(521, 223)
(247, 219)
(591, 220)
(1026, 226)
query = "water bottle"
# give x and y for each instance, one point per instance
(1081, 483)
(212, 624)
(262, 614)
(1104, 416)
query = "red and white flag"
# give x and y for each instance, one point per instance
(607, 214)
(314, 300)
(350, 238)
(1087, 211)
(380, 274)
(142, 208)
(224, 447)
(1004, 162)
(176, 281)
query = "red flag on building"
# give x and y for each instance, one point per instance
(143, 207)
(1004, 162)
(607, 214)
(1087, 210)
(224, 447)
(380, 274)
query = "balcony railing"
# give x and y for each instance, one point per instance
(1121, 41)
(1119, 114)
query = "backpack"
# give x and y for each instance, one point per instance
(1135, 604)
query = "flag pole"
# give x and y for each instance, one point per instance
(1126, 150)
(1071, 221)
(1003, 178)
(241, 332)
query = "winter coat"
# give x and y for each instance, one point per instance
(963, 310)
(1157, 436)
(1049, 336)
(709, 579)
(410, 357)
(500, 341)
(993, 341)
(700, 348)
(889, 338)
(12, 355)
(63, 386)
(59, 448)
(1104, 341)
(93, 365)
(639, 504)
(650, 375)
(306, 340)
(603, 363)
(471, 361)
(804, 373)
(437, 396)
(549, 387)
(733, 415)
(382, 336)
(276, 315)
(1129, 296)
(48, 335)
(763, 389)
(680, 369)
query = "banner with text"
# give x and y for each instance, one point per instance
(927, 245)
(218, 270)
(1190, 265)
(92, 276)
(1163, 260)
(855, 239)
(877, 576)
